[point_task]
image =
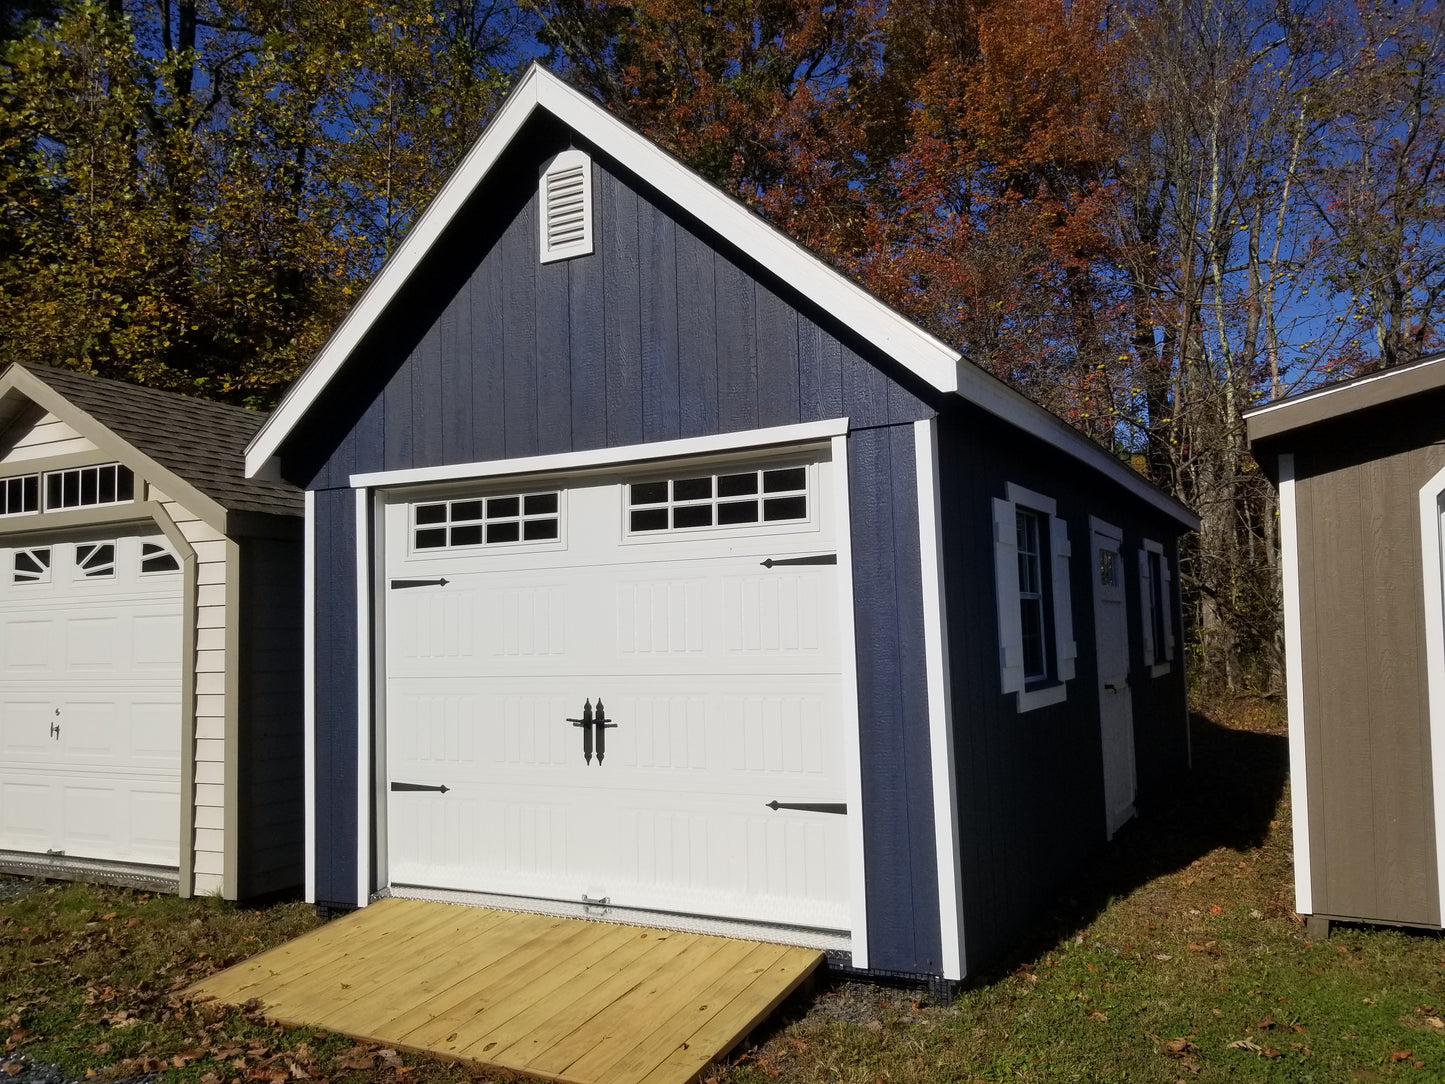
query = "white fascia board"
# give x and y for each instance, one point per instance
(1291, 401)
(1434, 599)
(1294, 687)
(997, 398)
(607, 457)
(394, 274)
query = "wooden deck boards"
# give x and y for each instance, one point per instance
(557, 998)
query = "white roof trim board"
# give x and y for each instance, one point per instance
(938, 364)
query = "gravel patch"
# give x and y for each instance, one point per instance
(10, 887)
(40, 1072)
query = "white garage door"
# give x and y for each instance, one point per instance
(700, 607)
(90, 647)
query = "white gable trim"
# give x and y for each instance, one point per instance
(1431, 496)
(939, 365)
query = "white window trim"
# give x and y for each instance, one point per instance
(1158, 666)
(1010, 625)
(567, 161)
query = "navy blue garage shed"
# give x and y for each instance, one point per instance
(659, 573)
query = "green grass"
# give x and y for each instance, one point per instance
(1176, 958)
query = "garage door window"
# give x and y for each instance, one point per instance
(516, 518)
(31, 566)
(86, 487)
(96, 561)
(156, 559)
(19, 495)
(734, 499)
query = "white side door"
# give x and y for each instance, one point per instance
(1116, 711)
(90, 663)
(720, 677)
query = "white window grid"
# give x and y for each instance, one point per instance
(764, 496)
(1031, 593)
(19, 494)
(512, 519)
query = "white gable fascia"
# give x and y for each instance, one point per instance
(933, 361)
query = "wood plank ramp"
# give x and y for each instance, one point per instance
(556, 998)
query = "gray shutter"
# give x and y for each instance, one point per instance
(1166, 601)
(1067, 649)
(1146, 606)
(1006, 582)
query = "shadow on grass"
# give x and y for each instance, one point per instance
(1228, 800)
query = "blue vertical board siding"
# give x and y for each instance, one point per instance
(697, 381)
(520, 247)
(622, 313)
(585, 307)
(898, 840)
(335, 638)
(665, 331)
(455, 366)
(737, 347)
(777, 337)
(554, 358)
(657, 250)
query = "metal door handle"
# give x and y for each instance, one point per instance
(594, 718)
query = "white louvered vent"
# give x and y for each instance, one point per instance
(566, 207)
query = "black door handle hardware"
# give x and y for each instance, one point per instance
(440, 788)
(594, 718)
(820, 559)
(397, 585)
(809, 807)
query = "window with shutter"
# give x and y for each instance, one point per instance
(565, 199)
(1035, 611)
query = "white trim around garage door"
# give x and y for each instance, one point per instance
(564, 462)
(1294, 687)
(368, 489)
(1431, 496)
(308, 634)
(940, 704)
(364, 717)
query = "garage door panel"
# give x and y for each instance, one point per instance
(28, 647)
(90, 705)
(722, 679)
(27, 815)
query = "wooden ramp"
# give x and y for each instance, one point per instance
(557, 998)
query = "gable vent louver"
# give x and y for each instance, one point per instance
(566, 207)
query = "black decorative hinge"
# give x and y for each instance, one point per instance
(820, 559)
(589, 720)
(441, 788)
(809, 807)
(397, 585)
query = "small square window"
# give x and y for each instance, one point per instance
(738, 498)
(487, 521)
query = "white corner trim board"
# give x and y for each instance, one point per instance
(363, 697)
(940, 711)
(1432, 494)
(1294, 687)
(308, 679)
(608, 457)
(852, 750)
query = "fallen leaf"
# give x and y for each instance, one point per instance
(1435, 1022)
(1216, 910)
(1400, 1055)
(389, 1058)
(1265, 1024)
(1163, 956)
(1179, 1047)
(1270, 1052)
(13, 1068)
(1096, 1015)
(1243, 1044)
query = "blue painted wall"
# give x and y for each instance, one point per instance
(666, 331)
